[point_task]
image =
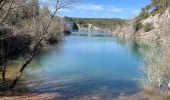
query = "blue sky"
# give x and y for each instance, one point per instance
(102, 8)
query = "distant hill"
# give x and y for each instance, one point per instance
(104, 23)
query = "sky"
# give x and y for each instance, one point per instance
(125, 9)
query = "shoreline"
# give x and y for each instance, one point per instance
(58, 96)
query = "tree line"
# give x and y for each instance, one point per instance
(105, 23)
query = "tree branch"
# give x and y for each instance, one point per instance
(6, 13)
(59, 5)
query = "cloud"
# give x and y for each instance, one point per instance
(92, 7)
(114, 9)
(85, 7)
(66, 10)
(136, 11)
(100, 8)
(117, 10)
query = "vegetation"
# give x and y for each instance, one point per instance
(156, 67)
(105, 23)
(143, 15)
(156, 7)
(160, 5)
(148, 26)
(24, 29)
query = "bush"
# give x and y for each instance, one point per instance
(137, 26)
(147, 27)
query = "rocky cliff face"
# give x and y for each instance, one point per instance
(160, 31)
(125, 31)
(159, 19)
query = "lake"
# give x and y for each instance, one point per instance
(85, 66)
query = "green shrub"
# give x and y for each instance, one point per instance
(137, 26)
(100, 22)
(148, 26)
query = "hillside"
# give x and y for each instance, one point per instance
(159, 29)
(152, 23)
(97, 23)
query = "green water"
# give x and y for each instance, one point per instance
(85, 65)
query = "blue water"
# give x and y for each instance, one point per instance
(83, 65)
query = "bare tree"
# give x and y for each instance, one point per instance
(5, 15)
(60, 4)
(4, 50)
(6, 9)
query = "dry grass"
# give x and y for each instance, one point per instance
(157, 68)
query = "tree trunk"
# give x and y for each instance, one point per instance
(59, 5)
(16, 80)
(4, 72)
(18, 76)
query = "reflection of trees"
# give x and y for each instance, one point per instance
(36, 64)
(20, 88)
(137, 48)
(32, 71)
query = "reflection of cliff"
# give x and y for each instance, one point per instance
(88, 27)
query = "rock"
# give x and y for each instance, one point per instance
(125, 31)
(158, 19)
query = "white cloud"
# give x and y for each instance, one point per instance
(116, 10)
(136, 11)
(92, 7)
(86, 7)
(66, 10)
(98, 8)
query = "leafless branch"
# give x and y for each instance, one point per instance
(59, 5)
(6, 13)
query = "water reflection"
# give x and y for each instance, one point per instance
(82, 66)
